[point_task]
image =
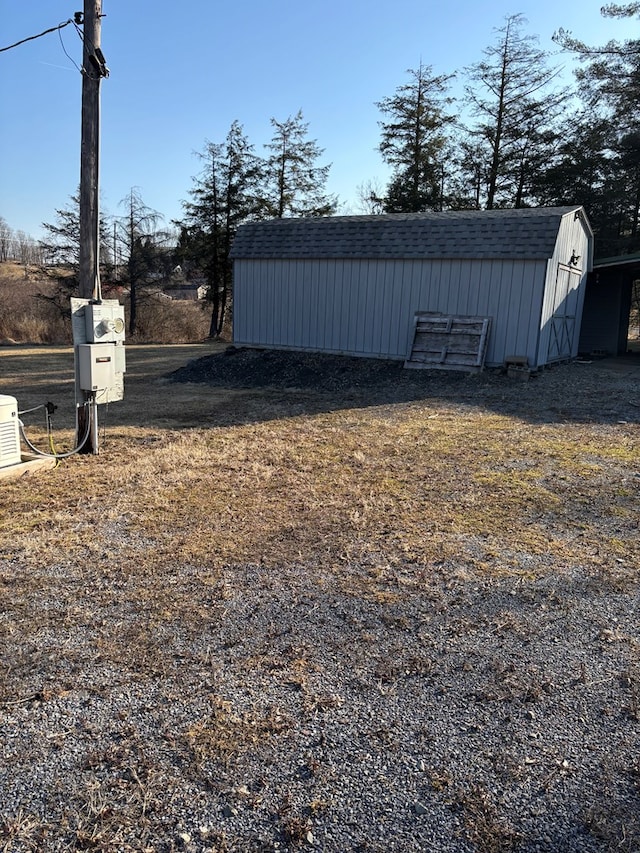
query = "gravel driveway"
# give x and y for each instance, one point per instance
(460, 711)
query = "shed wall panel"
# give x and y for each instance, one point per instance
(559, 301)
(366, 307)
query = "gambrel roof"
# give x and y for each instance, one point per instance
(525, 233)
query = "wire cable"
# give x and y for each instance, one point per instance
(31, 38)
(35, 409)
(52, 446)
(94, 53)
(66, 53)
(68, 453)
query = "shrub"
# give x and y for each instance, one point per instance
(25, 317)
(169, 321)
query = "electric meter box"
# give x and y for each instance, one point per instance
(9, 431)
(96, 366)
(104, 321)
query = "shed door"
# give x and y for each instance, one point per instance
(563, 320)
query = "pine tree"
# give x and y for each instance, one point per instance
(413, 141)
(609, 85)
(225, 194)
(60, 251)
(294, 184)
(510, 95)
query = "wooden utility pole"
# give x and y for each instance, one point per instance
(93, 70)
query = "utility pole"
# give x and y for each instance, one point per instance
(115, 251)
(93, 70)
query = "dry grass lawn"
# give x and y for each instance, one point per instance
(227, 476)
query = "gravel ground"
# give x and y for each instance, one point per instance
(457, 712)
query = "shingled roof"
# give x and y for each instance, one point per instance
(523, 233)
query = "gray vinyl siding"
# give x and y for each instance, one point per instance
(353, 284)
(365, 307)
(572, 237)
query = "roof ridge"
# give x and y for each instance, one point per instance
(505, 233)
(507, 212)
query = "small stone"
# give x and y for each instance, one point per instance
(229, 811)
(309, 837)
(420, 809)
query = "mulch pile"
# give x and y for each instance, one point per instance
(258, 368)
(602, 390)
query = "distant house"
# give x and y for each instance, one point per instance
(354, 284)
(192, 291)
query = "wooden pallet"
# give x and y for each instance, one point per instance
(448, 342)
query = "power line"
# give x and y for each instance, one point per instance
(66, 53)
(31, 38)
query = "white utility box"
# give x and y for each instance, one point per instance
(9, 432)
(96, 366)
(104, 321)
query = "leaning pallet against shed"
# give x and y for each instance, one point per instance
(449, 343)
(353, 284)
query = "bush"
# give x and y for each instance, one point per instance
(168, 321)
(24, 317)
(27, 318)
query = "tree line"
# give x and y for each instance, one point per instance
(527, 140)
(515, 138)
(141, 253)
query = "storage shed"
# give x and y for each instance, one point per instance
(607, 305)
(354, 284)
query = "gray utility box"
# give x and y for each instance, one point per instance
(9, 432)
(104, 322)
(96, 366)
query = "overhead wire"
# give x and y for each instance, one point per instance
(39, 35)
(94, 53)
(64, 49)
(58, 29)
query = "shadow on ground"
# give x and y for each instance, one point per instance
(213, 385)
(295, 383)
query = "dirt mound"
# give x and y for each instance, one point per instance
(256, 368)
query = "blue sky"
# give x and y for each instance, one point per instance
(182, 72)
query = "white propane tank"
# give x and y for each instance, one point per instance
(9, 431)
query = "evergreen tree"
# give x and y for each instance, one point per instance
(413, 142)
(469, 179)
(581, 171)
(60, 251)
(609, 85)
(510, 95)
(225, 194)
(294, 184)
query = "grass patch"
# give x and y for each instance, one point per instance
(421, 481)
